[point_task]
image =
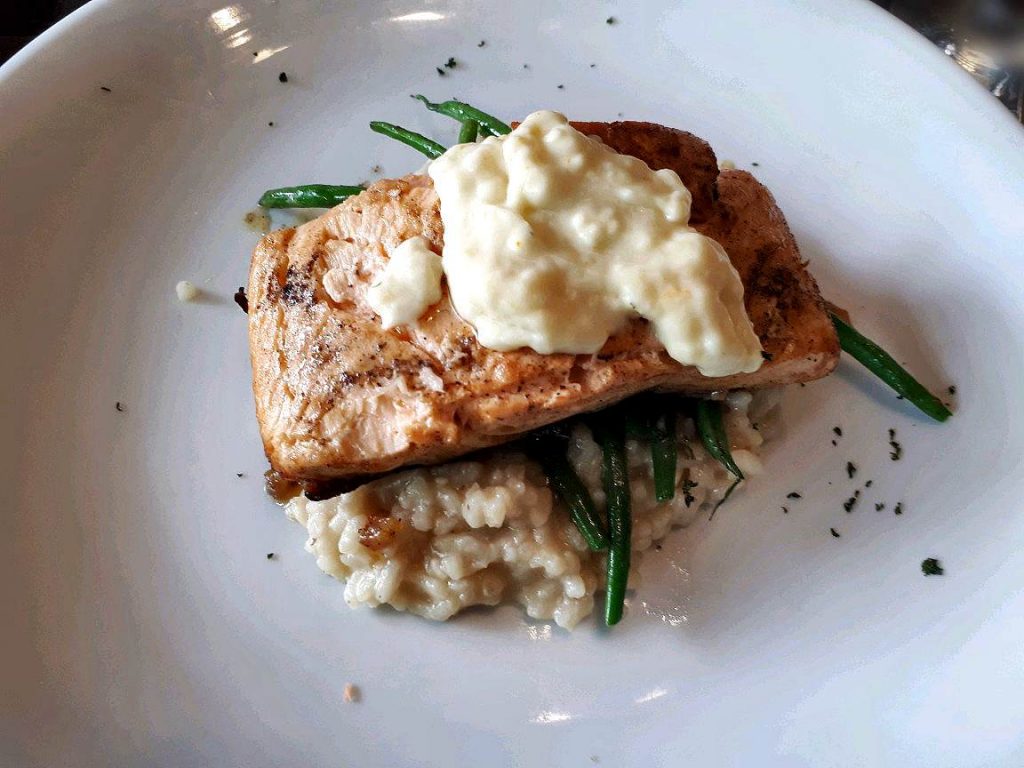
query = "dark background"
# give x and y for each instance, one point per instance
(21, 21)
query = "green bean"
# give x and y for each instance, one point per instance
(428, 147)
(489, 125)
(615, 477)
(548, 448)
(881, 363)
(307, 196)
(574, 494)
(637, 421)
(712, 434)
(652, 419)
(664, 455)
(468, 132)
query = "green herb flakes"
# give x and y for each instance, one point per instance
(896, 450)
(851, 502)
(688, 497)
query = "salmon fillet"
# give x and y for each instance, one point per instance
(337, 396)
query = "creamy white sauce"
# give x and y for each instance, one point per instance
(409, 284)
(553, 241)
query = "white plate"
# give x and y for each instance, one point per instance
(144, 624)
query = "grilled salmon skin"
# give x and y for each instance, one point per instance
(337, 396)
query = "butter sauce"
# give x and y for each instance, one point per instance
(553, 241)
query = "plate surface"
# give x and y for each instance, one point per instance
(144, 624)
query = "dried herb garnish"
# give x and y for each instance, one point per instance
(756, 165)
(593, 65)
(728, 493)
(561, 87)
(793, 495)
(932, 567)
(897, 449)
(270, 555)
(610, 20)
(767, 355)
(241, 299)
(239, 474)
(851, 469)
(440, 71)
(952, 389)
(105, 89)
(785, 510)
(851, 502)
(879, 506)
(869, 483)
(451, 63)
(271, 123)
(481, 44)
(118, 407)
(834, 532)
(898, 509)
(688, 497)
(283, 77)
(834, 443)
(837, 431)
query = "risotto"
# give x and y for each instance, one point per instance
(436, 540)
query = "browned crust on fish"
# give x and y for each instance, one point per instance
(338, 396)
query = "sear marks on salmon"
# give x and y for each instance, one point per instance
(337, 396)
